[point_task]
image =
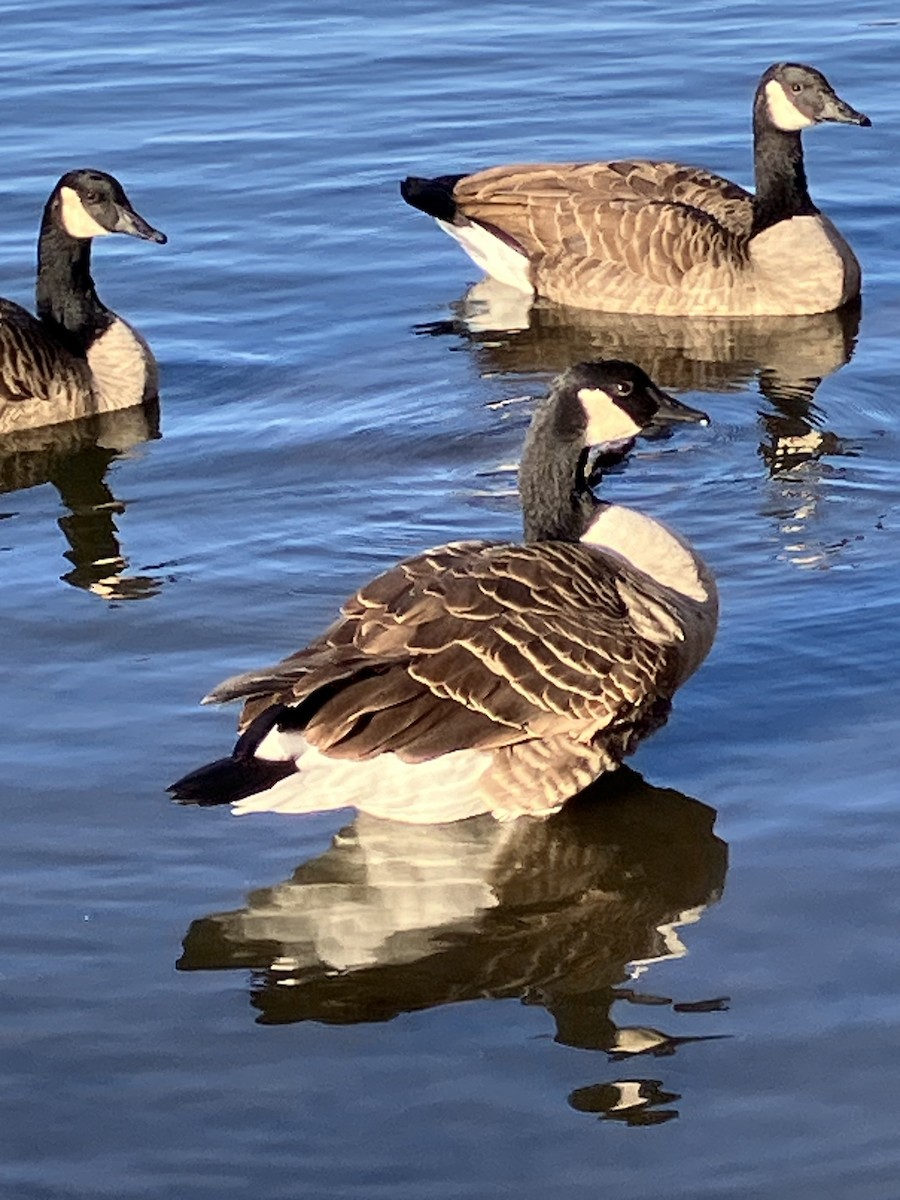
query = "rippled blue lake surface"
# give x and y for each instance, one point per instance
(204, 1007)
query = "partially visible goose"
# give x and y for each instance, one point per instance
(660, 237)
(484, 676)
(76, 358)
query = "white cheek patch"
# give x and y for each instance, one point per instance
(606, 422)
(782, 110)
(76, 220)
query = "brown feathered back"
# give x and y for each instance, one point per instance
(478, 646)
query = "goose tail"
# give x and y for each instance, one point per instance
(244, 773)
(228, 780)
(432, 196)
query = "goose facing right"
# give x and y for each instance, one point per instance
(482, 676)
(640, 236)
(76, 358)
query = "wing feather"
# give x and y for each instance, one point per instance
(594, 230)
(476, 645)
(35, 367)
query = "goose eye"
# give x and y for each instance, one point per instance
(624, 388)
(796, 87)
(92, 197)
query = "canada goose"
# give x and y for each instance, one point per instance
(660, 237)
(450, 681)
(76, 358)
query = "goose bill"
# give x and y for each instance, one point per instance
(841, 113)
(670, 411)
(130, 222)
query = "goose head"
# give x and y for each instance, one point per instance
(792, 96)
(593, 406)
(89, 203)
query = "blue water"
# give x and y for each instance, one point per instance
(325, 410)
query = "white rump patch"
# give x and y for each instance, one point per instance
(606, 421)
(76, 220)
(492, 254)
(782, 110)
(281, 745)
(429, 793)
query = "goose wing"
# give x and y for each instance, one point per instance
(530, 201)
(477, 646)
(601, 236)
(33, 365)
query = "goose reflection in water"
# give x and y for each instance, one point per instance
(566, 913)
(788, 357)
(75, 458)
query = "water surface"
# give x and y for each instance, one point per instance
(204, 1007)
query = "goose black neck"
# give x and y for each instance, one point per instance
(781, 191)
(557, 502)
(66, 299)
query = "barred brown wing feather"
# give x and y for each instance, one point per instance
(33, 366)
(656, 241)
(498, 645)
(598, 223)
(508, 195)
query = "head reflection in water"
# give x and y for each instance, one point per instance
(564, 913)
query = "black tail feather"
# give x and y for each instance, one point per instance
(432, 196)
(229, 779)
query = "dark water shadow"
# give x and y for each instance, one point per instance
(74, 457)
(566, 913)
(788, 357)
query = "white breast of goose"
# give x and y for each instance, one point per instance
(652, 548)
(686, 613)
(122, 367)
(803, 265)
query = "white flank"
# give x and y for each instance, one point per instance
(76, 220)
(782, 110)
(492, 254)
